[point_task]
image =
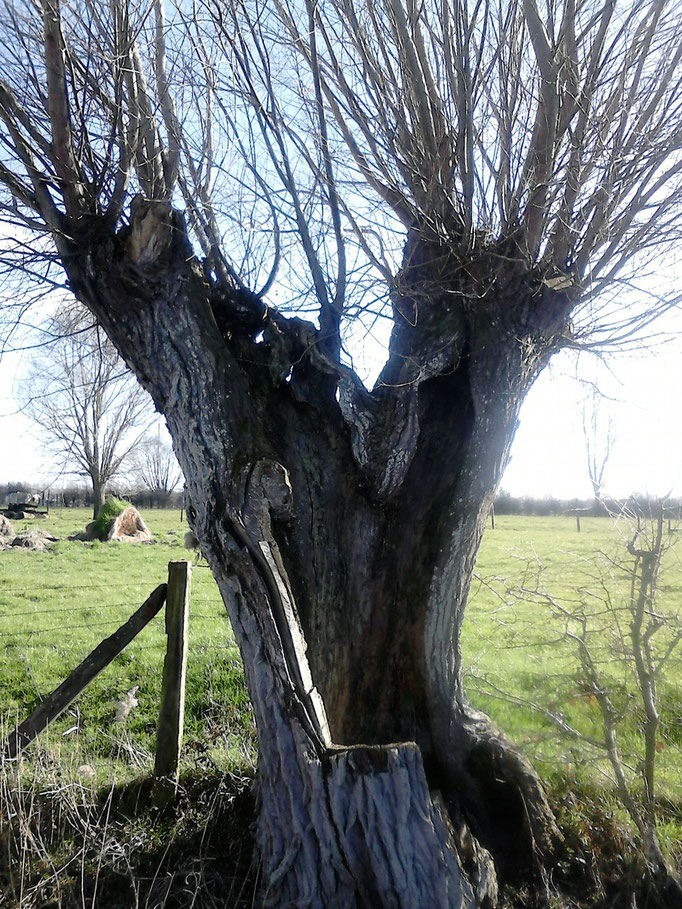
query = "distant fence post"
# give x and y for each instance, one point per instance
(172, 709)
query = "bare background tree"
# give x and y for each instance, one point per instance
(480, 175)
(155, 468)
(599, 439)
(643, 635)
(625, 630)
(91, 412)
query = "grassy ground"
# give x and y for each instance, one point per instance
(56, 607)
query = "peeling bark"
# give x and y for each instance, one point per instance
(342, 532)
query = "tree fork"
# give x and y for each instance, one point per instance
(221, 428)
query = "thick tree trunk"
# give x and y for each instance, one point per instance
(342, 529)
(98, 496)
(381, 563)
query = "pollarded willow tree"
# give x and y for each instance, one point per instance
(474, 173)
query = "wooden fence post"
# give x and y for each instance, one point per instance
(172, 709)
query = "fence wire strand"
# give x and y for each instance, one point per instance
(9, 614)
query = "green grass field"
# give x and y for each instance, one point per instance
(71, 839)
(56, 607)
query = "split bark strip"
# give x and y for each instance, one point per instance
(172, 710)
(80, 678)
(303, 704)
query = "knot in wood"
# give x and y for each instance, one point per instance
(274, 482)
(267, 494)
(151, 230)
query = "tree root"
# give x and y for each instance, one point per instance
(503, 801)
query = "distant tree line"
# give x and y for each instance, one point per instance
(153, 498)
(75, 496)
(6, 488)
(505, 503)
(636, 504)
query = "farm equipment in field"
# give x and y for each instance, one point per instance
(21, 504)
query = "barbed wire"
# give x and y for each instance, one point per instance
(31, 612)
(35, 587)
(59, 628)
(12, 615)
(38, 587)
(38, 611)
(71, 628)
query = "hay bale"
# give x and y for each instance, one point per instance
(6, 528)
(118, 521)
(128, 527)
(35, 540)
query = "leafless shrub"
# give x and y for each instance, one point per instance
(625, 635)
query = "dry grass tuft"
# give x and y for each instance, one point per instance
(66, 844)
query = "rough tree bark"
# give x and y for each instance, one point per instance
(342, 527)
(97, 495)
